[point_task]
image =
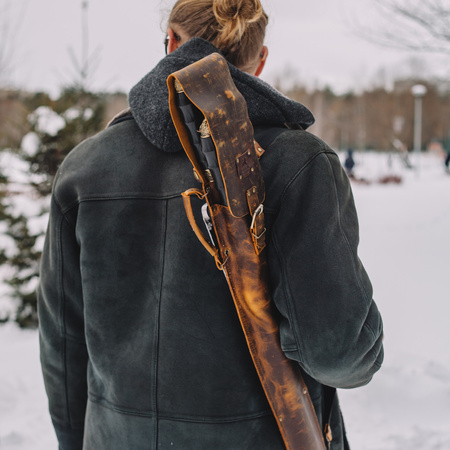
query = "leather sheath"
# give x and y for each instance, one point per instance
(240, 239)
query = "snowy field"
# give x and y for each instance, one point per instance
(405, 248)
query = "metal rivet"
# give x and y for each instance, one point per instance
(240, 177)
(305, 391)
(249, 194)
(248, 153)
(254, 190)
(259, 149)
(252, 169)
(237, 160)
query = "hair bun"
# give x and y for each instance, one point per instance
(236, 27)
(233, 16)
(246, 10)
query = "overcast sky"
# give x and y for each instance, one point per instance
(312, 41)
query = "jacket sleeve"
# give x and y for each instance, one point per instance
(329, 321)
(62, 346)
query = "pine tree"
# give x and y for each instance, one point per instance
(25, 262)
(4, 316)
(57, 126)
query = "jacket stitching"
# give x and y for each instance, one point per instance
(125, 196)
(54, 198)
(105, 404)
(231, 419)
(192, 418)
(354, 257)
(288, 296)
(290, 349)
(74, 339)
(63, 212)
(62, 314)
(367, 298)
(286, 290)
(323, 151)
(374, 335)
(157, 325)
(372, 350)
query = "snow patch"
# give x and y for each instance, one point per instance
(47, 121)
(76, 112)
(30, 144)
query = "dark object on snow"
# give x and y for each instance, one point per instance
(395, 179)
(447, 161)
(349, 162)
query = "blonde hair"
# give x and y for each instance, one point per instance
(236, 27)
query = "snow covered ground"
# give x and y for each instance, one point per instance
(405, 248)
(24, 420)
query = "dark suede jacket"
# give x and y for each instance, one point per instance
(141, 347)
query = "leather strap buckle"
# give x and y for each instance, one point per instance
(259, 210)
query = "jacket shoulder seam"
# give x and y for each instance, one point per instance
(349, 248)
(320, 152)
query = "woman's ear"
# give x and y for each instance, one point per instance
(174, 41)
(262, 62)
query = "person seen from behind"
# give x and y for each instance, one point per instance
(141, 346)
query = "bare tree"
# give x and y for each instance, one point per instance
(6, 49)
(419, 25)
(11, 21)
(85, 66)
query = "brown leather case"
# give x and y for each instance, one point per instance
(240, 239)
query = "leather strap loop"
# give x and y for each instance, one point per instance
(257, 227)
(190, 215)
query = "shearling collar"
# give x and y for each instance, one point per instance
(150, 106)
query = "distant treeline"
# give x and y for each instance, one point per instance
(376, 117)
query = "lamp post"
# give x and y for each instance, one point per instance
(418, 91)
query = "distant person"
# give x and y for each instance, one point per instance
(349, 163)
(447, 161)
(141, 346)
(402, 150)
